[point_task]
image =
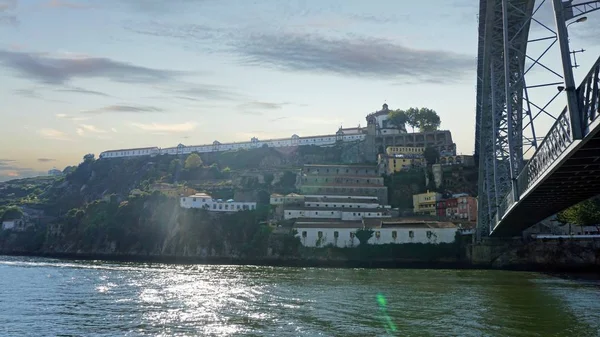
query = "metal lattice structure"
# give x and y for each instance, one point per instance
(505, 110)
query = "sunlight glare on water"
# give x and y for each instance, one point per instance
(46, 297)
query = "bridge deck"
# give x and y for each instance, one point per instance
(574, 178)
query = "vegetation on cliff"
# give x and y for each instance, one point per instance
(424, 119)
(585, 213)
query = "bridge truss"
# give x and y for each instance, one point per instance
(506, 114)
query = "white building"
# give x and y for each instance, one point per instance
(342, 234)
(205, 201)
(342, 202)
(330, 213)
(343, 135)
(276, 199)
(382, 123)
(16, 225)
(54, 172)
(137, 152)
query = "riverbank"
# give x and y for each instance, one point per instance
(317, 263)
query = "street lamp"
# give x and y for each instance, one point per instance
(580, 20)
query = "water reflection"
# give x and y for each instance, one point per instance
(107, 299)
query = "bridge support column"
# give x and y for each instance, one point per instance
(510, 118)
(565, 54)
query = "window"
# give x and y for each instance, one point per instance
(320, 234)
(193, 199)
(394, 235)
(336, 234)
(411, 234)
(378, 234)
(214, 206)
(332, 212)
(304, 234)
(317, 212)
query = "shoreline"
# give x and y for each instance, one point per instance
(310, 263)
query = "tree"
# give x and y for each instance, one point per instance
(585, 213)
(428, 120)
(431, 154)
(423, 118)
(11, 213)
(88, 158)
(193, 161)
(268, 178)
(398, 118)
(412, 118)
(363, 235)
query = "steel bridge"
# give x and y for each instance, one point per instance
(563, 168)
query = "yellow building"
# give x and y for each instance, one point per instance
(390, 164)
(414, 150)
(425, 203)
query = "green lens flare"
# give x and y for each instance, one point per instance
(389, 325)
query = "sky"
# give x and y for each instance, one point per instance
(83, 77)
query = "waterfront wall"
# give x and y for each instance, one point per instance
(554, 254)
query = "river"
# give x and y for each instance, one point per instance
(49, 297)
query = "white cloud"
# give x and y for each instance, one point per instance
(113, 130)
(168, 128)
(80, 131)
(92, 128)
(70, 117)
(53, 134)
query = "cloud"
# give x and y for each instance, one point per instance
(65, 4)
(48, 69)
(354, 57)
(349, 56)
(113, 130)
(53, 134)
(262, 105)
(166, 128)
(32, 93)
(10, 170)
(207, 92)
(78, 90)
(6, 5)
(4, 163)
(19, 173)
(45, 160)
(9, 20)
(71, 117)
(124, 108)
(91, 128)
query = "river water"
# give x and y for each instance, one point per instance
(48, 297)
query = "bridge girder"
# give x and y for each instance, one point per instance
(503, 35)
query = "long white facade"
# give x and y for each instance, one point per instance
(350, 135)
(350, 215)
(205, 201)
(344, 237)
